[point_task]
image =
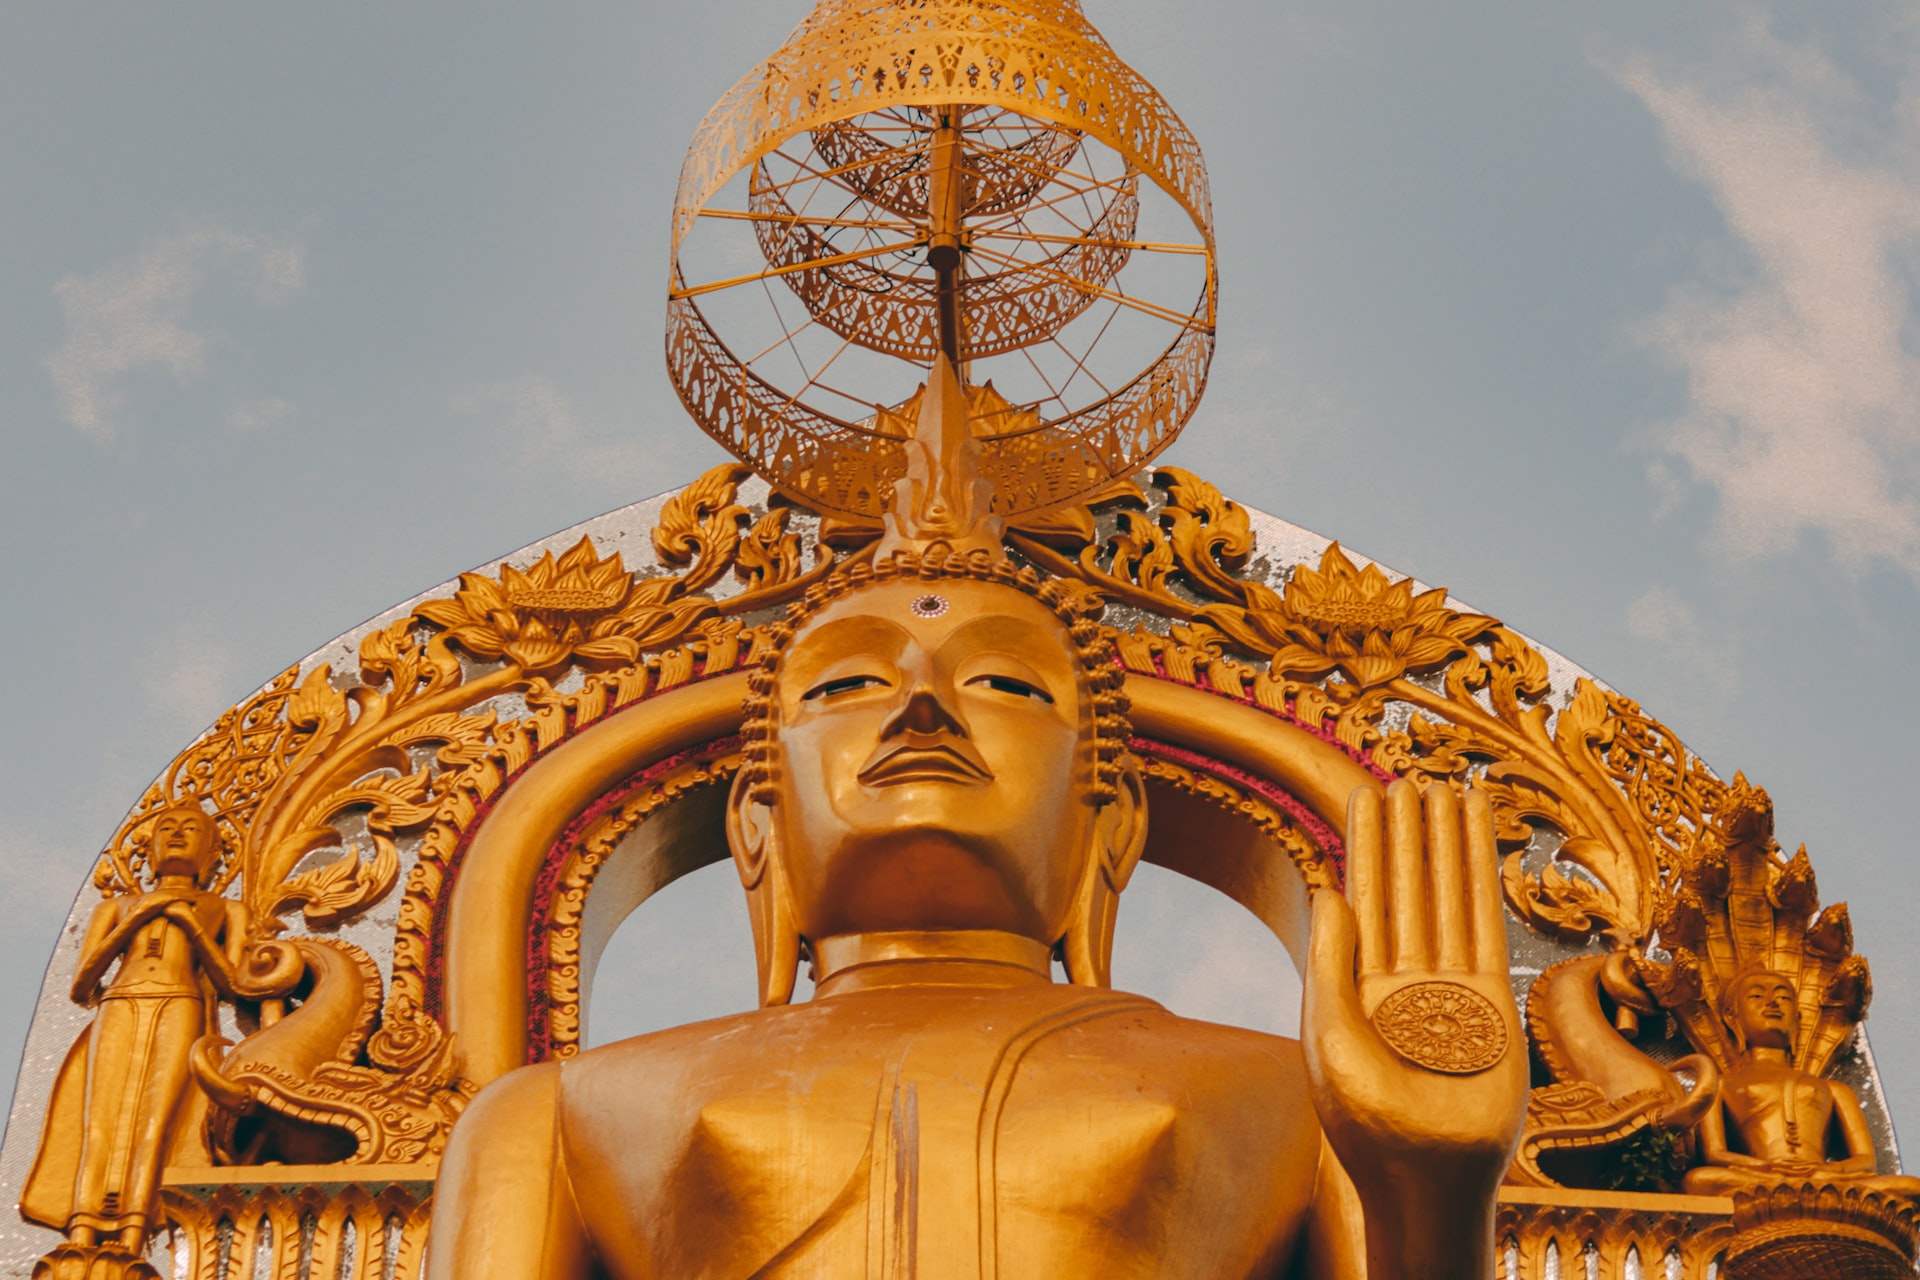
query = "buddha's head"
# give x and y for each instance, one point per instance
(937, 743)
(183, 843)
(1761, 1009)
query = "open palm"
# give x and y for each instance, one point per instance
(1412, 1039)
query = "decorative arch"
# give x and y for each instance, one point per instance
(608, 810)
(536, 750)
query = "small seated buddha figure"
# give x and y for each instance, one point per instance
(1776, 1123)
(938, 800)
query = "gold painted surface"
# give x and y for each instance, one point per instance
(938, 771)
(1543, 1232)
(588, 854)
(925, 817)
(1770, 992)
(1190, 688)
(301, 1223)
(330, 1068)
(123, 1095)
(1343, 646)
(486, 988)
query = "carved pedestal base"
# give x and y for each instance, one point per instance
(299, 1222)
(92, 1262)
(1810, 1231)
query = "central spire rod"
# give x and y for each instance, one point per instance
(946, 212)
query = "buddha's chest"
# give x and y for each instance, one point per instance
(951, 1152)
(1785, 1112)
(159, 955)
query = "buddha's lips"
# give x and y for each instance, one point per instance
(909, 763)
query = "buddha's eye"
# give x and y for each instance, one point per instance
(1008, 684)
(844, 684)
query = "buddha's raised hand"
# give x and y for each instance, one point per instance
(1412, 1040)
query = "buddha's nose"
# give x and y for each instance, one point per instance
(925, 714)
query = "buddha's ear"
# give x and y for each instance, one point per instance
(749, 831)
(1121, 825)
(756, 856)
(1119, 838)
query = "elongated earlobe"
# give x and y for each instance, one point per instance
(1120, 836)
(756, 856)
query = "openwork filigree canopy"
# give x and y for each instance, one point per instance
(979, 180)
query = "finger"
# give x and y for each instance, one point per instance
(1366, 877)
(1447, 883)
(1483, 885)
(1330, 1004)
(1407, 874)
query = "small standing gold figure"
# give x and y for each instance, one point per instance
(114, 1117)
(1776, 1122)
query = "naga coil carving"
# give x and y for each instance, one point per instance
(334, 1064)
(984, 187)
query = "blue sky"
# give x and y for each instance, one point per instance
(1601, 316)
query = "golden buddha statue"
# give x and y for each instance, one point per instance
(934, 802)
(178, 946)
(938, 801)
(1775, 1122)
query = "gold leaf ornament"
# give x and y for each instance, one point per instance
(332, 892)
(540, 618)
(1356, 621)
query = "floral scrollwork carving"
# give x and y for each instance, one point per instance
(308, 757)
(1594, 799)
(1311, 861)
(319, 784)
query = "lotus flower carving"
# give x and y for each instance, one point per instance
(576, 608)
(1340, 617)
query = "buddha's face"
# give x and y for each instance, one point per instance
(1765, 1012)
(935, 764)
(182, 842)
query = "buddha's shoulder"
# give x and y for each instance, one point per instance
(1150, 1033)
(1126, 1028)
(1155, 1071)
(544, 1085)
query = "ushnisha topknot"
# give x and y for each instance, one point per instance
(1078, 607)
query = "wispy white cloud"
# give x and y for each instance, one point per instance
(1662, 619)
(1804, 388)
(539, 428)
(137, 315)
